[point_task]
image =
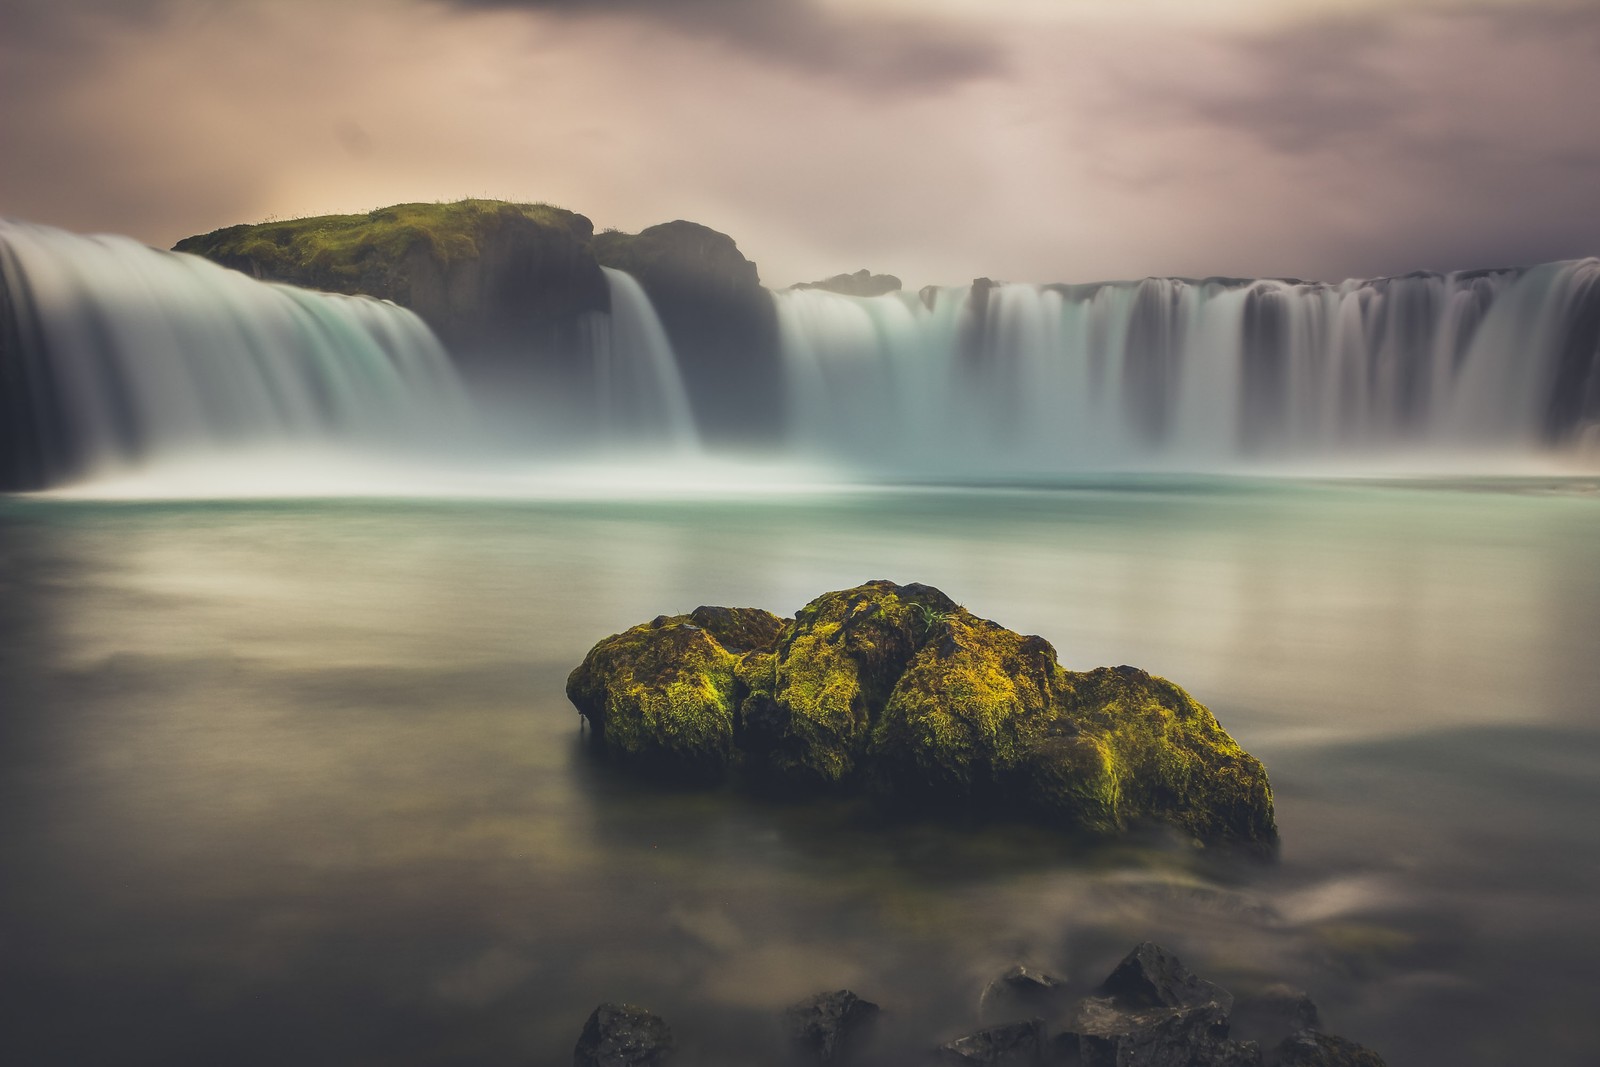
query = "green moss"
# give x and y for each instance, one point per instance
(1175, 761)
(660, 697)
(898, 687)
(368, 253)
(970, 704)
(833, 671)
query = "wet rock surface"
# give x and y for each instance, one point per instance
(1022, 992)
(829, 1027)
(1150, 1011)
(622, 1035)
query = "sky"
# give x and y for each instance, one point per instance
(938, 140)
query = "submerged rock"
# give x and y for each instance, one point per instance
(900, 691)
(829, 1027)
(1309, 1048)
(1009, 1045)
(1272, 1014)
(1022, 993)
(621, 1035)
(1151, 977)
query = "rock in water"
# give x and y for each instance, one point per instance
(829, 1027)
(1012, 1045)
(621, 1035)
(900, 691)
(1274, 1013)
(1155, 1013)
(1022, 993)
(1151, 977)
(660, 697)
(1312, 1049)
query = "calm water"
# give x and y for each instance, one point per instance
(298, 783)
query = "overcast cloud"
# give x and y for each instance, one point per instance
(937, 140)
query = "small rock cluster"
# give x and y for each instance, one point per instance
(1149, 1012)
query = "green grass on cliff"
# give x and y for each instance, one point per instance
(364, 253)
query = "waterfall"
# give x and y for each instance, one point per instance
(1176, 373)
(114, 355)
(639, 391)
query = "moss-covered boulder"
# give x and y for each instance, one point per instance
(660, 697)
(898, 690)
(811, 704)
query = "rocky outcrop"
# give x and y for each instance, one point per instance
(862, 283)
(510, 289)
(498, 282)
(621, 1035)
(1020, 1044)
(829, 1027)
(721, 322)
(1022, 993)
(900, 692)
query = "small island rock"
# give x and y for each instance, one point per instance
(897, 690)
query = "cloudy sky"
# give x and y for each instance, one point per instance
(935, 139)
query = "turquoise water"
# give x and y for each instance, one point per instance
(297, 781)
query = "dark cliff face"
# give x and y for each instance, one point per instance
(722, 323)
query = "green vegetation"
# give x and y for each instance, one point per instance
(660, 697)
(372, 253)
(897, 689)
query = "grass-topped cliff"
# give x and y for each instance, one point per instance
(371, 253)
(510, 287)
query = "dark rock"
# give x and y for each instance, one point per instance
(1311, 1049)
(722, 324)
(1022, 993)
(621, 1035)
(1274, 1013)
(861, 283)
(1151, 977)
(830, 1027)
(1010, 1045)
(1106, 1034)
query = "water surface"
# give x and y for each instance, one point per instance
(297, 781)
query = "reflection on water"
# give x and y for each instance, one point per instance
(298, 782)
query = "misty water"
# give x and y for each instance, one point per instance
(297, 782)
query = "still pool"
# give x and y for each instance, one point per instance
(297, 782)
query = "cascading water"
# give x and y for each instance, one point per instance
(1174, 373)
(639, 391)
(114, 355)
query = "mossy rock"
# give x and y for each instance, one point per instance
(898, 690)
(660, 696)
(813, 702)
(1175, 761)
